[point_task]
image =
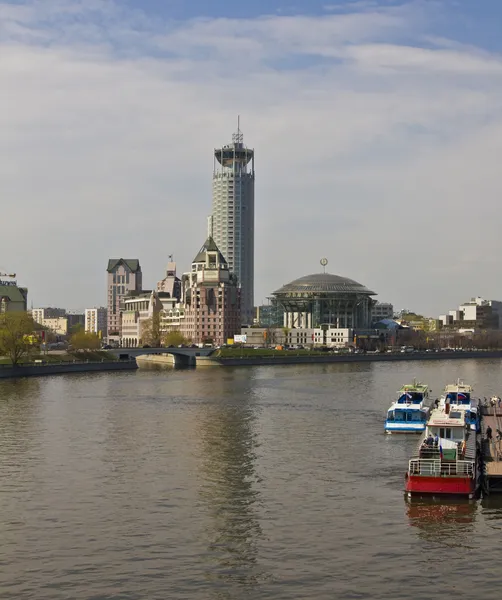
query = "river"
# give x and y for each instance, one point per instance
(231, 484)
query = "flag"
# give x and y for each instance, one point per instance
(461, 396)
(441, 451)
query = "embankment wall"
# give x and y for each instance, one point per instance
(64, 368)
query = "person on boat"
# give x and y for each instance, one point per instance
(436, 402)
(436, 440)
(489, 433)
(499, 434)
(430, 440)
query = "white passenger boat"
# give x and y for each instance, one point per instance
(459, 397)
(409, 413)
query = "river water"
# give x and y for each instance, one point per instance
(266, 482)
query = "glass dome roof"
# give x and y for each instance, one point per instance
(323, 283)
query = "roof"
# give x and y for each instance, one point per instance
(439, 418)
(132, 263)
(209, 246)
(324, 282)
(386, 324)
(415, 387)
(460, 386)
(13, 292)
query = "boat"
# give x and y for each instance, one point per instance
(459, 396)
(409, 413)
(446, 461)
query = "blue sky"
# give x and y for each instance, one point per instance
(377, 128)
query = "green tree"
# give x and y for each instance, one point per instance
(175, 338)
(16, 335)
(77, 328)
(83, 340)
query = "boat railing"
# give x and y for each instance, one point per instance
(436, 468)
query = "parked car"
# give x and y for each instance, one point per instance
(106, 347)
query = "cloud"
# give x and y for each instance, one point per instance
(376, 151)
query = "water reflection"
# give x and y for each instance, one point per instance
(227, 453)
(19, 406)
(442, 520)
(492, 510)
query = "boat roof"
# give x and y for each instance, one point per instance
(414, 387)
(460, 386)
(439, 418)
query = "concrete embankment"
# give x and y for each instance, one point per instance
(65, 368)
(302, 359)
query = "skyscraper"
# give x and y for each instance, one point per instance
(231, 223)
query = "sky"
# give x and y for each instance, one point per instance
(377, 128)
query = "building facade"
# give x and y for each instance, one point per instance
(381, 310)
(123, 276)
(138, 308)
(40, 314)
(95, 321)
(57, 325)
(12, 297)
(231, 224)
(211, 298)
(323, 299)
(474, 315)
(171, 284)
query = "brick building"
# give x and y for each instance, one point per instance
(211, 298)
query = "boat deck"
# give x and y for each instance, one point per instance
(492, 450)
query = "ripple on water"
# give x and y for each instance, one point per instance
(236, 484)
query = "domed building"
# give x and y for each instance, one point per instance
(323, 299)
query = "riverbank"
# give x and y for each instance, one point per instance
(293, 358)
(41, 369)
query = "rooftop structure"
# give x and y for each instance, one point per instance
(325, 299)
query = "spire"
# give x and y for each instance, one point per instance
(238, 137)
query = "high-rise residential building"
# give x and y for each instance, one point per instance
(231, 223)
(124, 276)
(211, 298)
(41, 314)
(95, 321)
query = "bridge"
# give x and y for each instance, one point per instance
(182, 357)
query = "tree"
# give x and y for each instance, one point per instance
(16, 335)
(174, 338)
(77, 328)
(83, 340)
(150, 331)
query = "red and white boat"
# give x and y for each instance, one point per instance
(446, 459)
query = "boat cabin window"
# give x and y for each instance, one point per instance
(458, 398)
(445, 432)
(455, 415)
(390, 415)
(407, 415)
(410, 398)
